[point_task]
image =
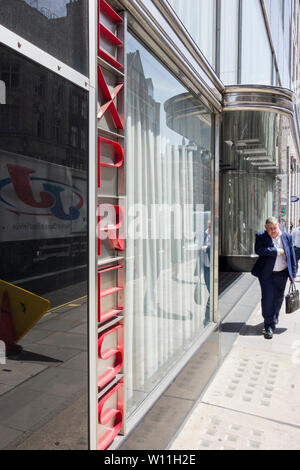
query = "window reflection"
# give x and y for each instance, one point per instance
(43, 249)
(256, 68)
(60, 27)
(254, 180)
(168, 172)
(199, 18)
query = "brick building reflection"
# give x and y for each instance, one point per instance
(45, 117)
(64, 37)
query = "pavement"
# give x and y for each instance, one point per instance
(253, 401)
(43, 390)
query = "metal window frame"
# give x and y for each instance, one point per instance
(17, 43)
(93, 244)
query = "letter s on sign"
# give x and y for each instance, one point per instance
(110, 414)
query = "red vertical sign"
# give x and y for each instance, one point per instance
(110, 230)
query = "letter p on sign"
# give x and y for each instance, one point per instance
(2, 92)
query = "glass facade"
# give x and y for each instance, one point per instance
(59, 27)
(254, 178)
(199, 18)
(44, 250)
(168, 139)
(229, 41)
(279, 16)
(255, 68)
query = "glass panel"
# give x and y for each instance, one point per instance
(43, 249)
(256, 68)
(254, 177)
(229, 41)
(199, 18)
(59, 27)
(168, 246)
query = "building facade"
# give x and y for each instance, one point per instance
(143, 144)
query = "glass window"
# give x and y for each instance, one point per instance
(59, 27)
(43, 250)
(168, 142)
(251, 168)
(256, 67)
(229, 41)
(199, 18)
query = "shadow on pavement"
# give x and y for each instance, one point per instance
(233, 327)
(33, 357)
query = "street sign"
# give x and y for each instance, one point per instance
(26, 308)
(2, 92)
(294, 199)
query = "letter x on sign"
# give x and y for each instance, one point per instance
(109, 98)
(2, 93)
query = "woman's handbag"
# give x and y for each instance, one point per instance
(292, 299)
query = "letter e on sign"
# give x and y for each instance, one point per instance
(2, 92)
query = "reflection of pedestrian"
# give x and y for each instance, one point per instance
(275, 264)
(206, 262)
(296, 241)
(206, 267)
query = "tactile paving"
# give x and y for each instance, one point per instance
(214, 428)
(257, 383)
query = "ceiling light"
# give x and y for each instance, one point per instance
(254, 151)
(259, 158)
(244, 142)
(261, 163)
(268, 168)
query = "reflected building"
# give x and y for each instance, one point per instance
(45, 119)
(55, 29)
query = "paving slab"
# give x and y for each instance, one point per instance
(4, 388)
(79, 362)
(80, 329)
(215, 428)
(15, 373)
(168, 414)
(253, 402)
(33, 336)
(66, 340)
(23, 409)
(253, 382)
(66, 431)
(58, 324)
(60, 382)
(9, 435)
